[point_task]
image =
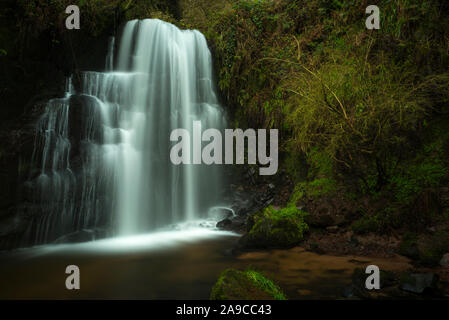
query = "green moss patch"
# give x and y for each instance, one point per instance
(275, 228)
(245, 285)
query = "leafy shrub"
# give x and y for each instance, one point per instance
(351, 104)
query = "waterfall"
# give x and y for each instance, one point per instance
(102, 154)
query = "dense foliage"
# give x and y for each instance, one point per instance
(363, 112)
(97, 15)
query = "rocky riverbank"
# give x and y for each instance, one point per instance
(331, 229)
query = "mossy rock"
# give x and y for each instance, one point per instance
(275, 228)
(425, 250)
(245, 285)
(409, 246)
(432, 249)
(419, 282)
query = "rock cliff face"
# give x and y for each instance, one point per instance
(33, 67)
(17, 136)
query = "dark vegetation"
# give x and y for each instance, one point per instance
(363, 114)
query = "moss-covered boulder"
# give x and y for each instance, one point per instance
(426, 250)
(275, 228)
(432, 248)
(409, 246)
(245, 285)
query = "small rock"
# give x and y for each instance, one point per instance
(220, 213)
(348, 292)
(431, 229)
(418, 282)
(224, 224)
(445, 260)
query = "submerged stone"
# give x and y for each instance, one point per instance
(224, 224)
(418, 282)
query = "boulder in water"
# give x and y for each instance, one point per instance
(419, 282)
(224, 224)
(245, 285)
(237, 224)
(220, 213)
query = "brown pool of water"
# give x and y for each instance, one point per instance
(187, 271)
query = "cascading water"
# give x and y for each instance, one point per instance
(103, 154)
